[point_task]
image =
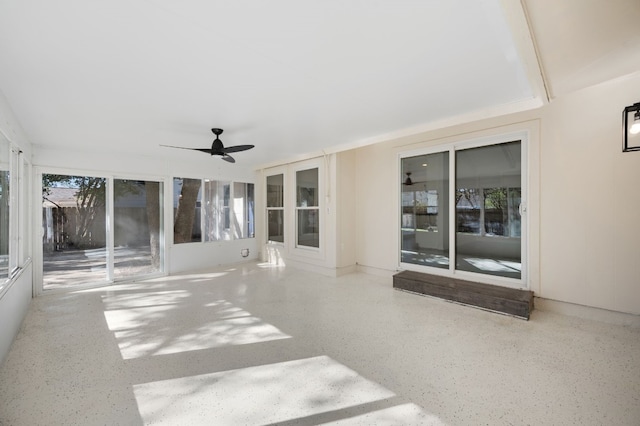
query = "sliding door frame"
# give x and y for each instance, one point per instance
(38, 254)
(459, 145)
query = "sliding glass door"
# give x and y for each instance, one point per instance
(465, 203)
(97, 229)
(488, 223)
(137, 217)
(74, 241)
(425, 210)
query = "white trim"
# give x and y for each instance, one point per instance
(299, 250)
(275, 172)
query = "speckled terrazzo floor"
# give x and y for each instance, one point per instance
(257, 345)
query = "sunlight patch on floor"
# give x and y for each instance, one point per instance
(166, 327)
(257, 395)
(232, 332)
(132, 300)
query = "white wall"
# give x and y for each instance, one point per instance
(591, 199)
(346, 209)
(585, 200)
(13, 308)
(14, 301)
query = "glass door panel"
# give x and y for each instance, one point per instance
(425, 210)
(137, 225)
(488, 223)
(74, 230)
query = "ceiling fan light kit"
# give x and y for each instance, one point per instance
(217, 148)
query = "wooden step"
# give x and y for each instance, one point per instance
(504, 300)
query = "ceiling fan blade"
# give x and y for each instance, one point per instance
(228, 158)
(207, 150)
(237, 148)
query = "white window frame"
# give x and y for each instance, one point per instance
(307, 251)
(281, 208)
(220, 210)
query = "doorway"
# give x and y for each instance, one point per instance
(462, 212)
(97, 230)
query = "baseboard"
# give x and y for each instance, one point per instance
(319, 269)
(587, 312)
(375, 271)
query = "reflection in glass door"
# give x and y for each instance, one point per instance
(137, 224)
(488, 196)
(74, 230)
(475, 221)
(425, 210)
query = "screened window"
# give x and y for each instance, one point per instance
(211, 210)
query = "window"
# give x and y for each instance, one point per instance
(13, 246)
(275, 208)
(243, 210)
(187, 196)
(210, 210)
(216, 214)
(5, 217)
(307, 208)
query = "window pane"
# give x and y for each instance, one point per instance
(226, 210)
(307, 188)
(137, 225)
(276, 225)
(4, 209)
(187, 196)
(425, 210)
(308, 228)
(275, 191)
(251, 214)
(74, 230)
(243, 210)
(217, 211)
(488, 192)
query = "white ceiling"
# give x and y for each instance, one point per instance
(289, 76)
(585, 42)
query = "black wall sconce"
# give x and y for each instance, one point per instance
(631, 128)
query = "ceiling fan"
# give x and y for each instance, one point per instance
(217, 148)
